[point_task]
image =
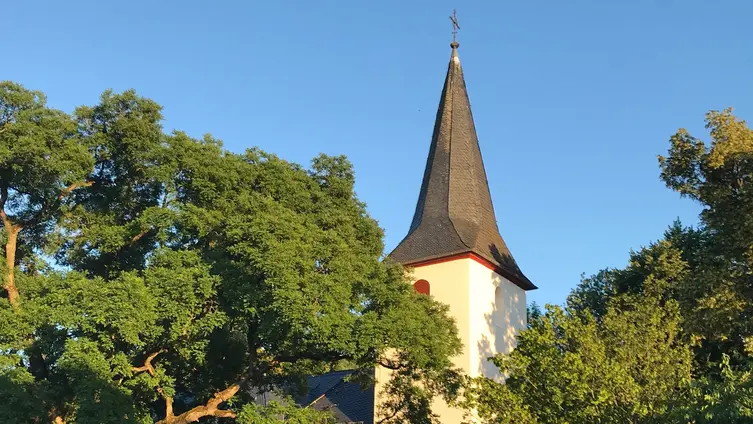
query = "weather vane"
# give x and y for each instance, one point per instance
(455, 26)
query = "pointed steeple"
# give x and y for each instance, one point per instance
(454, 214)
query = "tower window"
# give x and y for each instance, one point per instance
(422, 286)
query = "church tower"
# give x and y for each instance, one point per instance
(454, 247)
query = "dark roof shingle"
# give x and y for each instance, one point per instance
(454, 213)
(346, 400)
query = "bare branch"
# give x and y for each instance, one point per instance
(222, 413)
(54, 416)
(138, 236)
(3, 216)
(10, 250)
(169, 414)
(168, 406)
(389, 365)
(210, 409)
(7, 224)
(385, 419)
(66, 191)
(147, 364)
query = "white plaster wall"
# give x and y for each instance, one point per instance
(485, 326)
(498, 313)
(449, 284)
(382, 377)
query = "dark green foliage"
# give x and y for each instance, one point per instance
(181, 278)
(278, 413)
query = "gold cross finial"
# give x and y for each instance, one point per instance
(455, 26)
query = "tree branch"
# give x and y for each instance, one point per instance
(54, 416)
(389, 365)
(49, 208)
(3, 216)
(169, 414)
(147, 364)
(66, 191)
(210, 409)
(328, 356)
(168, 406)
(10, 250)
(385, 419)
(138, 236)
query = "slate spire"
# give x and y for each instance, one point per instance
(454, 214)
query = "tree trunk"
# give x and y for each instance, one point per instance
(10, 258)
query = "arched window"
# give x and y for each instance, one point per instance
(422, 286)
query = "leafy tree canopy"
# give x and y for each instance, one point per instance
(665, 339)
(153, 277)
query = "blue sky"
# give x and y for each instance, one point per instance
(573, 100)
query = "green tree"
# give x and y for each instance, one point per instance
(717, 299)
(627, 365)
(42, 161)
(621, 350)
(174, 279)
(725, 396)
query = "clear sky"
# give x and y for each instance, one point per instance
(573, 100)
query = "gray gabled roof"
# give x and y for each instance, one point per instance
(346, 400)
(454, 213)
